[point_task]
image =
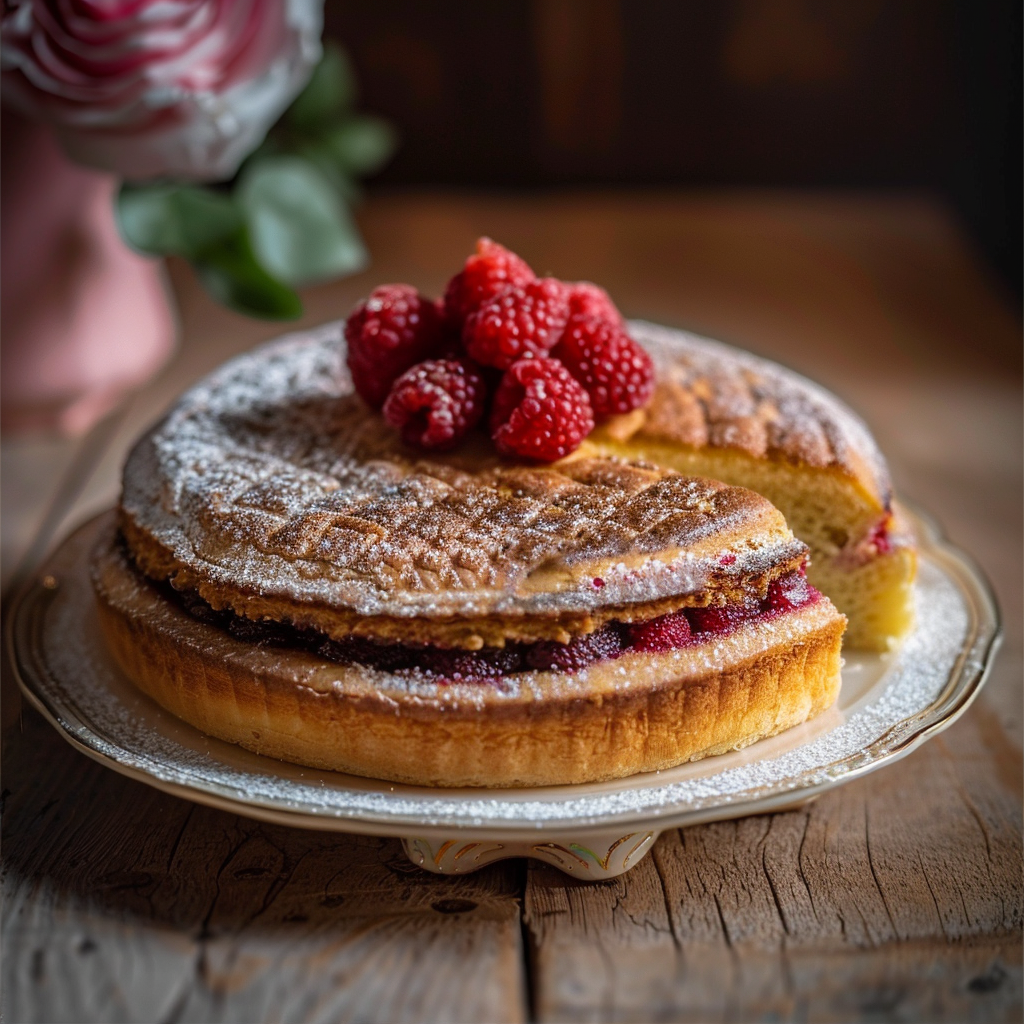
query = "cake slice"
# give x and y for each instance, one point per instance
(726, 414)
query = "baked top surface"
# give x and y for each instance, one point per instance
(270, 477)
(710, 395)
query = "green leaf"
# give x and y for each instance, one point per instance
(330, 92)
(301, 231)
(230, 273)
(180, 220)
(321, 157)
(362, 145)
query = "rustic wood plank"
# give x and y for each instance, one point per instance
(126, 904)
(898, 896)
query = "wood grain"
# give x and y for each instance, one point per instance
(125, 904)
(916, 870)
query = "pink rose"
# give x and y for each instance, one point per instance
(152, 88)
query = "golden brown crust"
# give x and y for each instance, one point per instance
(637, 713)
(711, 396)
(470, 632)
(271, 490)
(462, 552)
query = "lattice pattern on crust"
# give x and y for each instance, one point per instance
(271, 476)
(426, 533)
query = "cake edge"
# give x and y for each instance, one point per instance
(569, 735)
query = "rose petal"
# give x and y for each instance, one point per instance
(146, 88)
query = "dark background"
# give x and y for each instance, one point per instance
(889, 94)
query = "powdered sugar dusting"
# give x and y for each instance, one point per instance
(711, 394)
(272, 477)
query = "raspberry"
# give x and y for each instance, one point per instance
(522, 320)
(586, 300)
(720, 620)
(502, 661)
(548, 656)
(453, 665)
(387, 333)
(789, 592)
(617, 373)
(661, 634)
(434, 404)
(540, 411)
(490, 271)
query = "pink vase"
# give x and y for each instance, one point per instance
(83, 319)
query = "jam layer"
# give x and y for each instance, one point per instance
(680, 629)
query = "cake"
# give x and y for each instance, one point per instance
(287, 575)
(501, 538)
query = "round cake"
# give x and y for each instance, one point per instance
(286, 574)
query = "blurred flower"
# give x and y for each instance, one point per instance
(159, 88)
(233, 129)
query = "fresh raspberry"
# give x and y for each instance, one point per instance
(540, 411)
(492, 269)
(722, 619)
(789, 592)
(548, 656)
(616, 372)
(387, 333)
(522, 320)
(662, 634)
(586, 300)
(436, 403)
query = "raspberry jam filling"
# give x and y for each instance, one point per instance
(684, 628)
(880, 538)
(877, 543)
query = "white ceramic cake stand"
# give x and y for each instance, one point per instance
(889, 704)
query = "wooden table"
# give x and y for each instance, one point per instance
(896, 897)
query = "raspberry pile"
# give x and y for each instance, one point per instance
(537, 360)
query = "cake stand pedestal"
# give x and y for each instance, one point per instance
(593, 856)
